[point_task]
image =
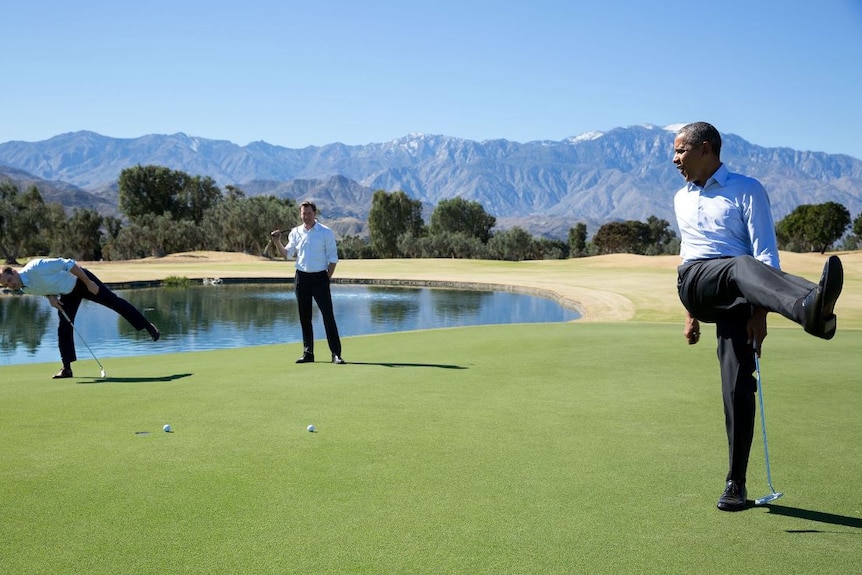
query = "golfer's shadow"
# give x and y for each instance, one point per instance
(164, 378)
(396, 364)
(819, 516)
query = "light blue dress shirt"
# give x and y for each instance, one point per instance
(44, 276)
(315, 249)
(729, 216)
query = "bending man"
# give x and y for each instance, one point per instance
(65, 284)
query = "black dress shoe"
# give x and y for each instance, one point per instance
(154, 332)
(337, 359)
(818, 306)
(306, 358)
(64, 373)
(734, 497)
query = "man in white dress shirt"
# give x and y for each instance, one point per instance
(730, 275)
(313, 244)
(66, 284)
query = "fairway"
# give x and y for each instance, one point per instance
(562, 448)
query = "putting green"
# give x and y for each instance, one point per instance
(586, 447)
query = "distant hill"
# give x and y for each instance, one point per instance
(544, 186)
(63, 193)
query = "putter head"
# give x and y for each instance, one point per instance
(768, 498)
(103, 373)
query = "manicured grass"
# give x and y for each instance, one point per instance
(565, 448)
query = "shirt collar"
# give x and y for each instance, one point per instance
(719, 177)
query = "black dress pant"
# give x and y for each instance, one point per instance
(315, 286)
(725, 291)
(72, 301)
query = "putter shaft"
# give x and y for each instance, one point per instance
(75, 329)
(774, 495)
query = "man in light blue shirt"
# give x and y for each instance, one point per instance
(730, 275)
(314, 246)
(66, 284)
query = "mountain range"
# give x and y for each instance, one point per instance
(543, 186)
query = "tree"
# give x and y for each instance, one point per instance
(550, 249)
(112, 227)
(631, 237)
(170, 204)
(354, 247)
(241, 224)
(458, 215)
(812, 227)
(131, 242)
(82, 238)
(155, 236)
(51, 238)
(661, 236)
(149, 190)
(578, 240)
(195, 198)
(857, 226)
(514, 244)
(390, 216)
(455, 245)
(25, 222)
(157, 190)
(853, 240)
(173, 236)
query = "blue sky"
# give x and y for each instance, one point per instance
(778, 73)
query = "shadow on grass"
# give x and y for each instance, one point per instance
(819, 516)
(110, 379)
(394, 364)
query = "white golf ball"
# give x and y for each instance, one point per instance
(167, 428)
(311, 428)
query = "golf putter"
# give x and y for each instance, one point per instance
(75, 329)
(775, 494)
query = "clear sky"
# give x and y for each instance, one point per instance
(776, 72)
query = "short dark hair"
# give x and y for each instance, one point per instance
(308, 204)
(698, 132)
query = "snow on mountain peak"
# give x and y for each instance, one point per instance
(587, 136)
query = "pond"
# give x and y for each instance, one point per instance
(205, 317)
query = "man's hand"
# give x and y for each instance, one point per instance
(78, 272)
(756, 328)
(275, 236)
(55, 302)
(692, 329)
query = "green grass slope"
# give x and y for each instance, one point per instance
(564, 448)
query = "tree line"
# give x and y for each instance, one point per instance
(165, 211)
(168, 211)
(460, 228)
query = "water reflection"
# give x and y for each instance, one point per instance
(391, 306)
(226, 316)
(24, 324)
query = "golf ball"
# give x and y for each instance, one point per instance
(167, 428)
(311, 428)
